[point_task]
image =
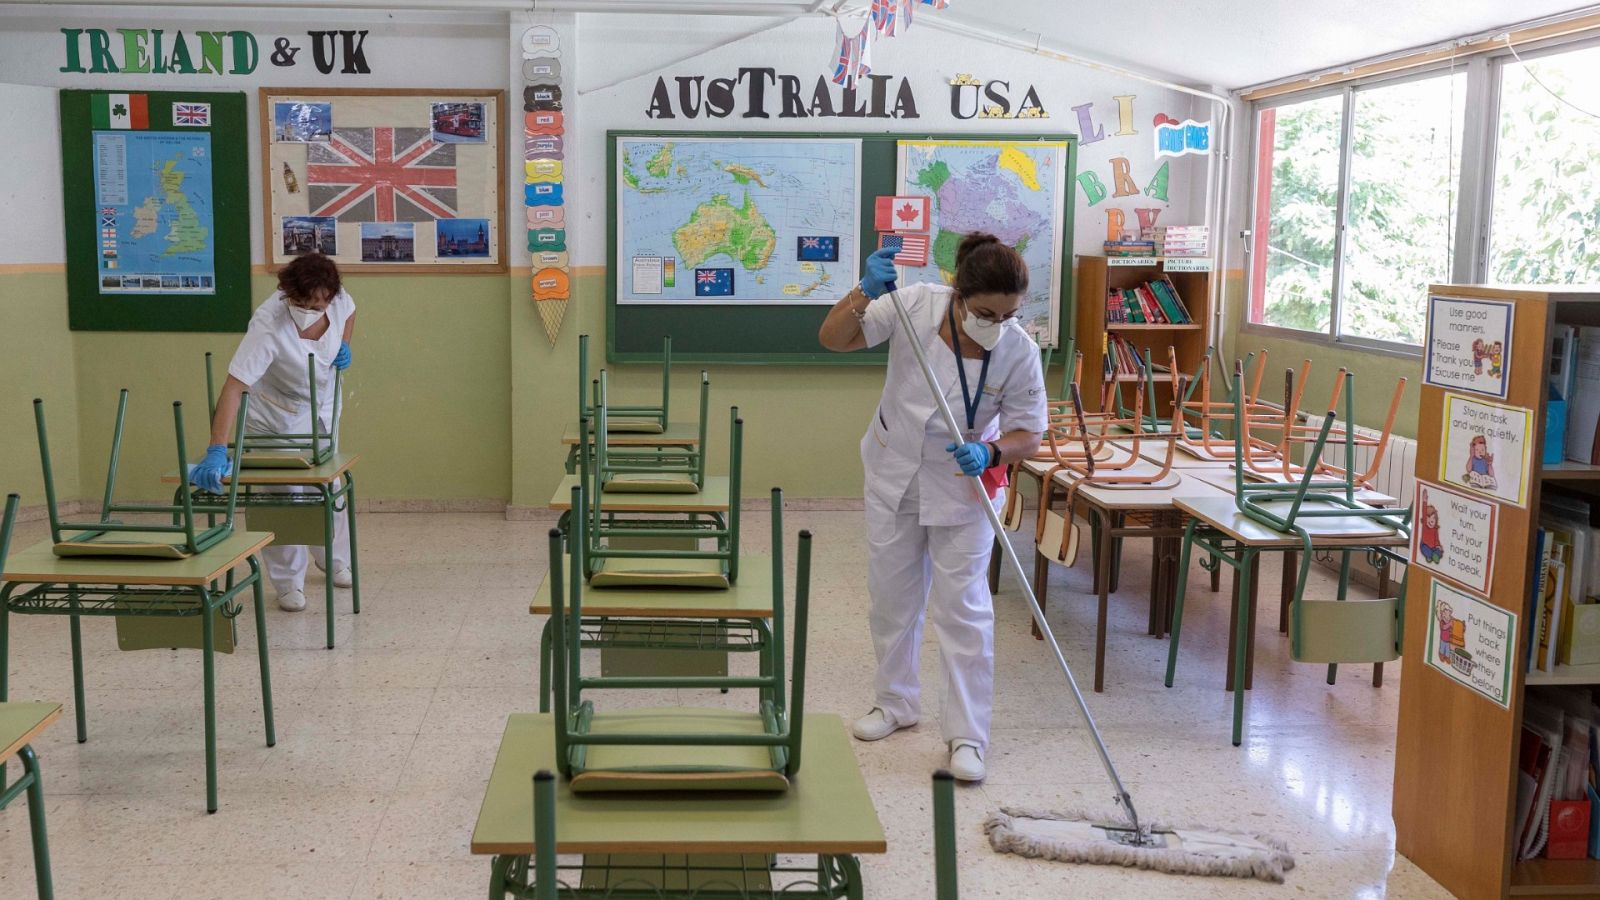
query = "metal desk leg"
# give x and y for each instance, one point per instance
(994, 567)
(5, 652)
(1242, 639)
(261, 649)
(209, 669)
(327, 556)
(1383, 592)
(499, 866)
(1291, 566)
(1216, 578)
(1250, 580)
(1177, 599)
(1041, 584)
(80, 713)
(41, 839)
(350, 523)
(1103, 577)
(544, 667)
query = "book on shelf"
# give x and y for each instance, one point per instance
(1130, 248)
(1567, 523)
(1154, 302)
(1179, 240)
(1556, 775)
(1583, 397)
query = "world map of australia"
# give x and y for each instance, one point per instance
(153, 193)
(725, 221)
(1011, 189)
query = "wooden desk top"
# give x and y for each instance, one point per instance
(678, 434)
(1326, 531)
(40, 565)
(20, 723)
(323, 474)
(749, 597)
(826, 810)
(713, 498)
(1148, 498)
(1225, 481)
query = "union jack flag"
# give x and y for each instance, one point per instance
(108, 217)
(855, 51)
(191, 114)
(382, 175)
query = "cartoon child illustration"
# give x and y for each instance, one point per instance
(1479, 351)
(1480, 464)
(1446, 631)
(1497, 352)
(1428, 543)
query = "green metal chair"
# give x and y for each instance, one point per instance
(110, 537)
(678, 748)
(1305, 516)
(31, 782)
(654, 470)
(267, 450)
(637, 419)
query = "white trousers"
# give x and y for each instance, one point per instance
(943, 570)
(286, 563)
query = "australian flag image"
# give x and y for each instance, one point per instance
(713, 282)
(817, 249)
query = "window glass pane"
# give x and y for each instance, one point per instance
(1546, 225)
(1405, 159)
(1297, 184)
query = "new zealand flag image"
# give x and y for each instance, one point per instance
(817, 249)
(713, 282)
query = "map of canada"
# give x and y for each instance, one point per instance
(153, 193)
(1013, 190)
(723, 220)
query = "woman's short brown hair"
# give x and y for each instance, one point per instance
(986, 266)
(308, 276)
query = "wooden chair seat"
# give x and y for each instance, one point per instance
(621, 572)
(121, 545)
(611, 769)
(634, 426)
(259, 459)
(652, 483)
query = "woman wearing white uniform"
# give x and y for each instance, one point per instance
(928, 541)
(309, 314)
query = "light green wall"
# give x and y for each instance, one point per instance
(1375, 371)
(427, 402)
(36, 361)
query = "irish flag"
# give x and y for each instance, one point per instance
(120, 111)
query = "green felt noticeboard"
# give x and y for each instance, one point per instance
(155, 226)
(753, 334)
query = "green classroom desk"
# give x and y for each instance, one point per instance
(677, 434)
(690, 622)
(300, 518)
(37, 582)
(827, 812)
(20, 723)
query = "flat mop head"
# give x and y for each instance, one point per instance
(1075, 837)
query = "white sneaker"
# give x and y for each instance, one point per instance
(343, 578)
(966, 761)
(876, 725)
(293, 601)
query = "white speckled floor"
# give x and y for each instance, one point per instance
(384, 744)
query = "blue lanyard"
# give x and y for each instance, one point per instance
(967, 399)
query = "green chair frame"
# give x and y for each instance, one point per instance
(272, 450)
(782, 714)
(654, 417)
(31, 782)
(192, 538)
(1326, 631)
(610, 462)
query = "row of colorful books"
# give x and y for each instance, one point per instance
(1566, 612)
(1122, 358)
(1178, 240)
(1130, 247)
(1558, 760)
(1152, 303)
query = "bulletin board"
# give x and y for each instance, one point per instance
(384, 180)
(783, 331)
(156, 207)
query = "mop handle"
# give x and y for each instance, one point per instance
(1010, 555)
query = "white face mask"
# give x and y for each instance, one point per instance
(304, 318)
(986, 333)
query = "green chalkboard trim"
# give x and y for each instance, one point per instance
(786, 335)
(228, 310)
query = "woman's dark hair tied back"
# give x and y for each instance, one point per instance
(986, 266)
(306, 276)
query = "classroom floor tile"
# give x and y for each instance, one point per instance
(385, 742)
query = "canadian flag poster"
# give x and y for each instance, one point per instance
(120, 111)
(901, 214)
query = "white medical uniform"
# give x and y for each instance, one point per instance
(271, 360)
(928, 540)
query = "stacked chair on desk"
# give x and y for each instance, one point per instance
(269, 450)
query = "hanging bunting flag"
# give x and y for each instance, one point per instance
(857, 30)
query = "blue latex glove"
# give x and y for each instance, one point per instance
(973, 457)
(208, 475)
(880, 273)
(342, 360)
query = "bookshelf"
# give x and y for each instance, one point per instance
(1456, 752)
(1097, 275)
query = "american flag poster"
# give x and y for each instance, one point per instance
(909, 249)
(384, 164)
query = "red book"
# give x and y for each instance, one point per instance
(1569, 829)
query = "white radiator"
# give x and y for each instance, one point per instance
(1395, 477)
